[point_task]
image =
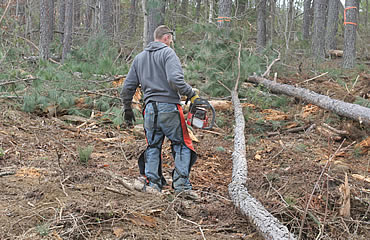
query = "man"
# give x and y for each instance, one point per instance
(158, 70)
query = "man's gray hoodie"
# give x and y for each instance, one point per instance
(158, 70)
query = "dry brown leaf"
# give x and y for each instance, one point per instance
(142, 220)
(365, 143)
(249, 105)
(291, 125)
(258, 157)
(360, 177)
(274, 115)
(118, 232)
(28, 172)
(56, 236)
(118, 82)
(309, 109)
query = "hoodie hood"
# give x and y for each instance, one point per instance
(155, 46)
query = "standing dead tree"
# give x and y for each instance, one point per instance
(353, 111)
(266, 223)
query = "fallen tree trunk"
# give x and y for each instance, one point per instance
(353, 111)
(266, 223)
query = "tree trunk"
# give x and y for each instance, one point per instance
(44, 28)
(133, 18)
(289, 24)
(107, 17)
(332, 25)
(367, 14)
(162, 8)
(51, 20)
(350, 28)
(353, 111)
(211, 9)
(184, 11)
(261, 25)
(272, 19)
(242, 6)
(224, 13)
(173, 18)
(68, 26)
(145, 19)
(306, 19)
(197, 10)
(62, 16)
(29, 13)
(90, 11)
(268, 225)
(318, 38)
(116, 17)
(155, 17)
(76, 13)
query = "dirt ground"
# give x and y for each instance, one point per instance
(48, 193)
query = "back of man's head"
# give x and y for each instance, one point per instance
(160, 31)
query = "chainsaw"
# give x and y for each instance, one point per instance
(198, 115)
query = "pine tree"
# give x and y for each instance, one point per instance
(261, 25)
(67, 42)
(350, 28)
(332, 25)
(318, 38)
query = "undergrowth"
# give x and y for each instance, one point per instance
(81, 84)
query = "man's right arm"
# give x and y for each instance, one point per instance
(175, 75)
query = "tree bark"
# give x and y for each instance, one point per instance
(353, 111)
(318, 38)
(197, 10)
(184, 10)
(90, 10)
(306, 19)
(268, 225)
(68, 26)
(76, 13)
(155, 14)
(289, 23)
(51, 20)
(261, 25)
(332, 25)
(133, 19)
(242, 6)
(224, 13)
(210, 14)
(107, 17)
(145, 19)
(272, 19)
(44, 28)
(367, 14)
(62, 17)
(350, 28)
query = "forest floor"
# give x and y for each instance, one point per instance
(48, 193)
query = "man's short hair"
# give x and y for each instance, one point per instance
(162, 30)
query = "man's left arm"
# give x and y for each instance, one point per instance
(127, 93)
(129, 88)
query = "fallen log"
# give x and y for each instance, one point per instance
(266, 223)
(353, 111)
